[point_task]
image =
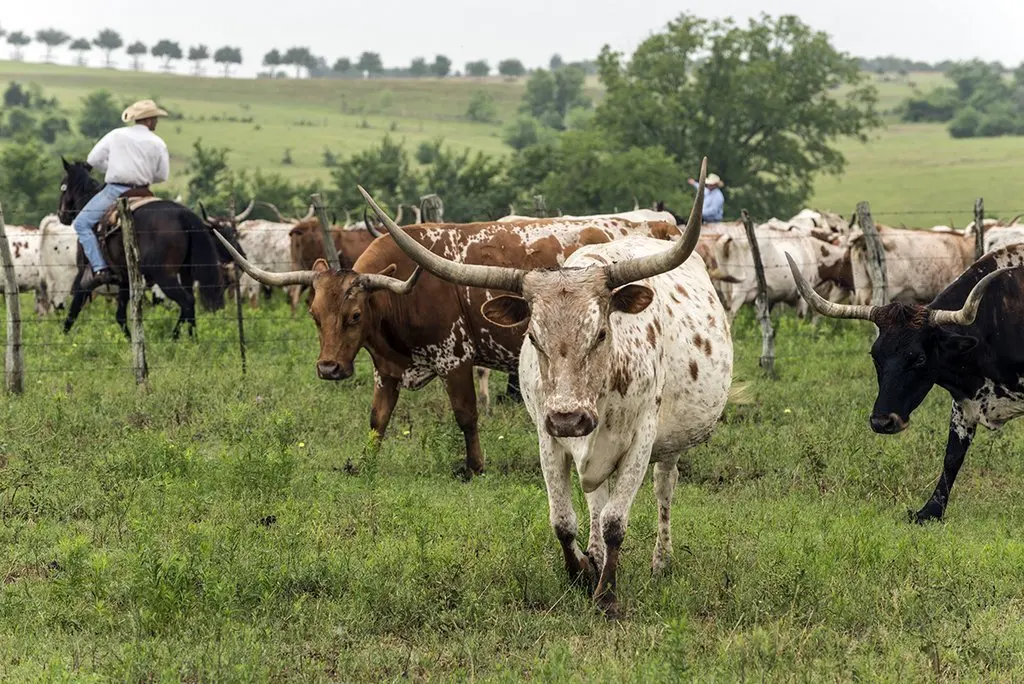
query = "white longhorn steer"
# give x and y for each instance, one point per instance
(629, 362)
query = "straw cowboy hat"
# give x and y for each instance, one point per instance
(713, 181)
(143, 109)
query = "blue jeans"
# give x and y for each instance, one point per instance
(87, 219)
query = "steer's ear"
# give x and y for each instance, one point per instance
(955, 345)
(632, 299)
(389, 270)
(507, 310)
(321, 266)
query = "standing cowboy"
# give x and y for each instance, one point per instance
(131, 157)
(714, 200)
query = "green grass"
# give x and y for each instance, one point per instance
(238, 529)
(914, 175)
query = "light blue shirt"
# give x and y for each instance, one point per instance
(714, 204)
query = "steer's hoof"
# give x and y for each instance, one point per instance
(465, 472)
(608, 604)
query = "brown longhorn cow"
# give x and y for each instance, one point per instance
(436, 329)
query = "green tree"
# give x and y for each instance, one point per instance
(511, 68)
(370, 62)
(80, 46)
(300, 58)
(272, 59)
(441, 67)
(99, 115)
(556, 62)
(966, 123)
(342, 65)
(136, 51)
(205, 170)
(29, 177)
(472, 185)
(550, 95)
(478, 68)
(18, 40)
(418, 68)
(385, 171)
(51, 38)
(482, 108)
(197, 54)
(526, 131)
(168, 51)
(228, 57)
(761, 102)
(107, 41)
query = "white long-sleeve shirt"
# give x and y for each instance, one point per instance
(133, 155)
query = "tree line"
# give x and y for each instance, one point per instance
(301, 59)
(683, 94)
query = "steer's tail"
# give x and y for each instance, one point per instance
(204, 263)
(741, 394)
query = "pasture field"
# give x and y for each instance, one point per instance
(912, 174)
(238, 529)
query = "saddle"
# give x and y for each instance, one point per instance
(110, 223)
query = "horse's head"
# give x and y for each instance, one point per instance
(76, 188)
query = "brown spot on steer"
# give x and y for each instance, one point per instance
(652, 336)
(621, 379)
(693, 370)
(682, 290)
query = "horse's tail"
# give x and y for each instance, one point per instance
(204, 264)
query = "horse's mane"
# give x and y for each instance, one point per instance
(79, 179)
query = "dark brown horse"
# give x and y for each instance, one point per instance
(176, 251)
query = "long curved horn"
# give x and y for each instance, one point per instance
(822, 305)
(969, 311)
(370, 228)
(636, 204)
(348, 220)
(624, 272)
(418, 213)
(245, 212)
(277, 211)
(202, 210)
(398, 216)
(1014, 219)
(473, 275)
(266, 277)
(309, 214)
(376, 281)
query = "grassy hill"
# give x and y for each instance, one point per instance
(912, 174)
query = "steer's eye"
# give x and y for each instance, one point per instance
(356, 316)
(602, 336)
(919, 361)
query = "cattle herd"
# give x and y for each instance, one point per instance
(619, 327)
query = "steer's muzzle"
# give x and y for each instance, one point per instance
(888, 424)
(571, 424)
(332, 370)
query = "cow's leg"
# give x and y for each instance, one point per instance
(556, 466)
(294, 294)
(484, 377)
(961, 433)
(666, 474)
(462, 394)
(596, 501)
(615, 516)
(385, 396)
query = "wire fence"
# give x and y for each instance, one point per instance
(48, 351)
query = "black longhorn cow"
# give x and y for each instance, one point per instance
(969, 340)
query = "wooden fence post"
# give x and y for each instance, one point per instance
(325, 232)
(540, 209)
(767, 361)
(14, 374)
(137, 292)
(876, 256)
(979, 228)
(238, 296)
(432, 208)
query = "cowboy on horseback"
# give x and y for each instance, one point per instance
(132, 157)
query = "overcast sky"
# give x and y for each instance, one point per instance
(531, 30)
